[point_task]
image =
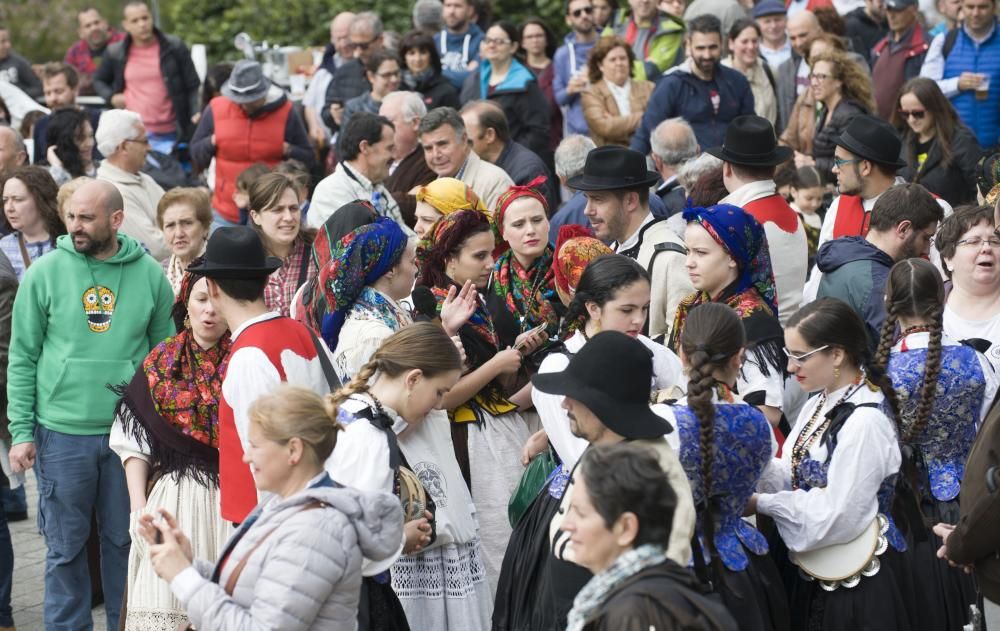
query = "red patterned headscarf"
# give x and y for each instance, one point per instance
(576, 246)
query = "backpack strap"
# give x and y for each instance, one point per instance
(949, 41)
(659, 248)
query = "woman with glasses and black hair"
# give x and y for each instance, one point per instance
(939, 150)
(831, 491)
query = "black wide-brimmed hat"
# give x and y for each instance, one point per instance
(611, 375)
(612, 168)
(235, 252)
(750, 141)
(872, 139)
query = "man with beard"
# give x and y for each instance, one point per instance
(86, 54)
(701, 91)
(459, 41)
(855, 269)
(84, 317)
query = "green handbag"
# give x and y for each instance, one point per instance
(532, 481)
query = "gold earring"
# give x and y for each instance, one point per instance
(187, 321)
(836, 372)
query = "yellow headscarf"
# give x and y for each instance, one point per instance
(448, 195)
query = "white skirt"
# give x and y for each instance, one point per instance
(444, 588)
(151, 606)
(495, 465)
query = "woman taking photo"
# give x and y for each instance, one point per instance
(383, 72)
(71, 145)
(185, 217)
(522, 275)
(442, 197)
(940, 151)
(275, 215)
(385, 422)
(970, 251)
(725, 446)
(422, 71)
(618, 531)
(502, 78)
(728, 262)
(835, 479)
(538, 45)
(841, 91)
(487, 430)
(945, 389)
(166, 434)
(744, 55)
(615, 102)
(30, 215)
(295, 562)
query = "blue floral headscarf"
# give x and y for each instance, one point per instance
(743, 239)
(359, 259)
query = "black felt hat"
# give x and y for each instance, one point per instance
(750, 141)
(613, 168)
(235, 252)
(872, 139)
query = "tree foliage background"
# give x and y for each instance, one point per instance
(42, 30)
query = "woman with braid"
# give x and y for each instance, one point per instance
(438, 579)
(944, 389)
(725, 445)
(835, 480)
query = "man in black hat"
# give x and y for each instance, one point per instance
(865, 162)
(606, 388)
(898, 56)
(616, 183)
(749, 157)
(267, 349)
(253, 121)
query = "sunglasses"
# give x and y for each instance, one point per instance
(914, 114)
(578, 12)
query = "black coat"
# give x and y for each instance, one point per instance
(825, 140)
(526, 109)
(956, 183)
(437, 92)
(349, 81)
(664, 597)
(178, 72)
(523, 165)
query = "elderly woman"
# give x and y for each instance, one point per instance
(615, 102)
(185, 217)
(30, 215)
(744, 55)
(970, 251)
(295, 562)
(166, 434)
(275, 214)
(442, 197)
(619, 527)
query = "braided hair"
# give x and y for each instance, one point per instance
(601, 281)
(420, 346)
(832, 322)
(712, 336)
(914, 290)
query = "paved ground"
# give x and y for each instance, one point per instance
(29, 570)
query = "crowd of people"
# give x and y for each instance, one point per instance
(689, 319)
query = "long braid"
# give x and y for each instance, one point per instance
(932, 368)
(888, 336)
(357, 385)
(700, 389)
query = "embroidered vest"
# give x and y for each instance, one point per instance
(852, 218)
(240, 142)
(775, 209)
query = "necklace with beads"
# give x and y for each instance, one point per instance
(815, 428)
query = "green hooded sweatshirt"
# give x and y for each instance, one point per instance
(79, 325)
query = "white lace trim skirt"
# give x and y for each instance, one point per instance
(151, 605)
(444, 588)
(495, 463)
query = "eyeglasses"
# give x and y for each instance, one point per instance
(489, 41)
(818, 77)
(977, 242)
(361, 45)
(578, 12)
(141, 141)
(839, 163)
(801, 359)
(914, 114)
(388, 75)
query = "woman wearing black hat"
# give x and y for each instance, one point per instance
(535, 589)
(725, 446)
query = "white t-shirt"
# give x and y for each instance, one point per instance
(958, 328)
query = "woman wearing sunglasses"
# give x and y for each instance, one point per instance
(940, 151)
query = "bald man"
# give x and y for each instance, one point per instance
(337, 52)
(85, 316)
(12, 150)
(793, 74)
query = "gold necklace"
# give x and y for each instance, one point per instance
(810, 434)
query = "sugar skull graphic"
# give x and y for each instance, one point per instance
(99, 305)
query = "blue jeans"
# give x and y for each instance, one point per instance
(14, 500)
(6, 571)
(218, 221)
(164, 143)
(78, 475)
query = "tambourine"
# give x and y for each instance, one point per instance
(843, 564)
(412, 495)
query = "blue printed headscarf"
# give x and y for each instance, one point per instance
(743, 239)
(359, 259)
